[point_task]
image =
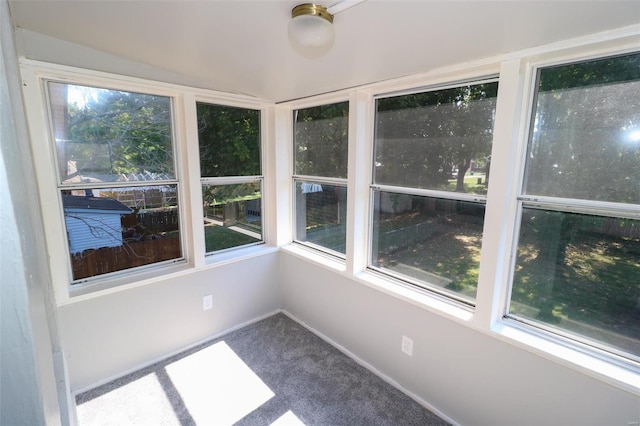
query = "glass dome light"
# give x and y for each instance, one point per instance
(311, 25)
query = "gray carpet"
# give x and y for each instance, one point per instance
(271, 372)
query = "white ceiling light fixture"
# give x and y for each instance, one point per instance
(311, 25)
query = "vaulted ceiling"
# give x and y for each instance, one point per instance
(242, 46)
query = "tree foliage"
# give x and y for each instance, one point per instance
(321, 140)
(109, 133)
(584, 144)
(585, 141)
(424, 139)
(229, 141)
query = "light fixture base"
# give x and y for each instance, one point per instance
(311, 9)
(311, 27)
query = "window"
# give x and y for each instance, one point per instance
(231, 176)
(432, 158)
(116, 178)
(320, 176)
(577, 267)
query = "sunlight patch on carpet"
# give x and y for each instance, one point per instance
(145, 391)
(216, 386)
(288, 419)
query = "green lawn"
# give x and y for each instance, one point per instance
(446, 247)
(219, 238)
(471, 185)
(598, 283)
(593, 289)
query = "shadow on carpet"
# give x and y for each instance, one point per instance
(273, 372)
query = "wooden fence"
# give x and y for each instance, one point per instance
(620, 228)
(157, 220)
(129, 255)
(165, 220)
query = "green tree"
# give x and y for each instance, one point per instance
(321, 140)
(229, 140)
(114, 133)
(581, 145)
(424, 138)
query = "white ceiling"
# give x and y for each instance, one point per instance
(242, 46)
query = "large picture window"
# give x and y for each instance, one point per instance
(320, 176)
(116, 178)
(577, 268)
(431, 173)
(231, 176)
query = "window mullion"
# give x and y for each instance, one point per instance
(501, 208)
(229, 180)
(321, 179)
(448, 195)
(360, 155)
(195, 232)
(604, 208)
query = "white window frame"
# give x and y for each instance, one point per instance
(329, 180)
(519, 74)
(463, 303)
(214, 256)
(513, 111)
(79, 284)
(35, 74)
(509, 146)
(583, 344)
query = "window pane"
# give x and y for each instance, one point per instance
(232, 215)
(580, 273)
(112, 229)
(108, 135)
(229, 141)
(432, 240)
(585, 140)
(321, 215)
(436, 140)
(320, 135)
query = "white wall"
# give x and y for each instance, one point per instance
(31, 367)
(470, 377)
(106, 336)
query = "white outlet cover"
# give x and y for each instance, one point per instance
(407, 345)
(207, 302)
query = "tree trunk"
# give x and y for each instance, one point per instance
(463, 166)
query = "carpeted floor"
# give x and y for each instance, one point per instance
(271, 372)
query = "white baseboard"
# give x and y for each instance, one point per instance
(372, 369)
(172, 353)
(339, 347)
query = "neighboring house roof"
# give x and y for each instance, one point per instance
(102, 204)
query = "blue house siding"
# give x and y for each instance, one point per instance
(93, 222)
(92, 230)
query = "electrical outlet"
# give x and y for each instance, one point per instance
(207, 302)
(407, 346)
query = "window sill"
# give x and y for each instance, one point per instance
(425, 299)
(625, 377)
(236, 255)
(107, 286)
(315, 256)
(396, 288)
(621, 374)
